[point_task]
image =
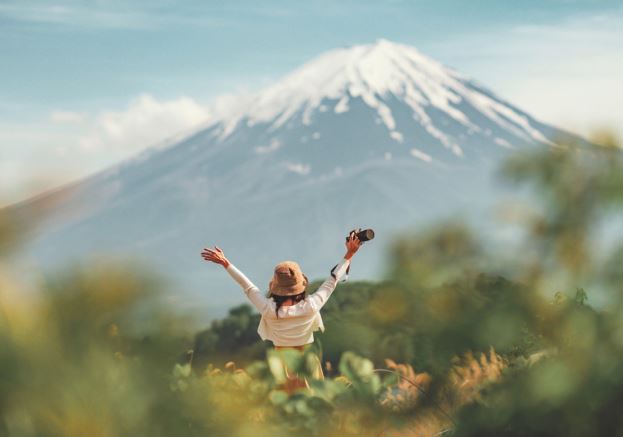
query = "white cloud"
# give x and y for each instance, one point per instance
(567, 74)
(21, 178)
(578, 84)
(144, 122)
(73, 15)
(70, 117)
(103, 15)
(66, 145)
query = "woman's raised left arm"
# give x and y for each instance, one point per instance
(259, 301)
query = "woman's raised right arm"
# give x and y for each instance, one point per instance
(259, 301)
(320, 297)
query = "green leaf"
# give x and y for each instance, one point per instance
(275, 364)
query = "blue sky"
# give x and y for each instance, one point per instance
(84, 84)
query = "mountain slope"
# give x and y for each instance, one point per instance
(374, 73)
(374, 135)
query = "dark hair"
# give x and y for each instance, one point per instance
(279, 300)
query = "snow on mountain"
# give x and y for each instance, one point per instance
(372, 73)
(374, 135)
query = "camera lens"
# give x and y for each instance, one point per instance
(365, 235)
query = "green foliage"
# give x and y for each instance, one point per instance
(576, 388)
(232, 338)
(95, 352)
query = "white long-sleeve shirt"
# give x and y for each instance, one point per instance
(296, 324)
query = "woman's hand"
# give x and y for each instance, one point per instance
(352, 244)
(216, 256)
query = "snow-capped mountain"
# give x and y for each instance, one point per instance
(372, 74)
(374, 135)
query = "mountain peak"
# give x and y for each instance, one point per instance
(366, 71)
(388, 55)
(377, 74)
(379, 68)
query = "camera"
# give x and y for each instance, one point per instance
(365, 235)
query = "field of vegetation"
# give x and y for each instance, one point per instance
(462, 339)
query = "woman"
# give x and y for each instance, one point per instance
(289, 315)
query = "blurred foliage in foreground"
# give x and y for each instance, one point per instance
(448, 345)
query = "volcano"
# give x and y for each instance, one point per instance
(375, 135)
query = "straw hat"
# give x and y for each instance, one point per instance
(288, 279)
